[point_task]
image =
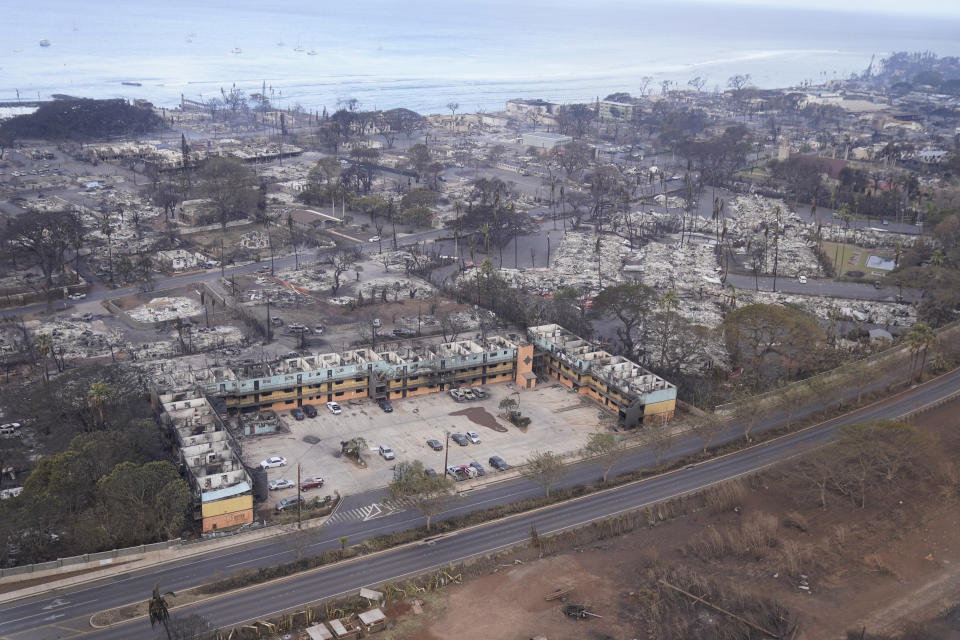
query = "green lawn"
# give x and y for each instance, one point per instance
(846, 257)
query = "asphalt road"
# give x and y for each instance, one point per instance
(65, 614)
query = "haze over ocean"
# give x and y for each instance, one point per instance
(422, 55)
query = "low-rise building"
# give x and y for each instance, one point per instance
(545, 141)
(635, 394)
(312, 220)
(177, 259)
(521, 107)
(221, 487)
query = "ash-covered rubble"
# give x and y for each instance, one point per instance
(888, 315)
(166, 308)
(199, 339)
(76, 339)
(751, 232)
(574, 264)
(396, 287)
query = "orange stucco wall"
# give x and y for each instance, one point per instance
(226, 520)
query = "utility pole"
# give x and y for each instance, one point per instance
(299, 498)
(221, 258)
(446, 453)
(269, 324)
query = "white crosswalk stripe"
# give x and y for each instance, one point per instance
(370, 511)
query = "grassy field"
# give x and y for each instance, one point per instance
(846, 257)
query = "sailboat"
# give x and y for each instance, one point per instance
(236, 50)
(299, 47)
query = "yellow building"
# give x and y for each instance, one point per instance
(635, 394)
(364, 373)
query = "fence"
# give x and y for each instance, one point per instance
(101, 557)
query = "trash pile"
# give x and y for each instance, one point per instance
(166, 308)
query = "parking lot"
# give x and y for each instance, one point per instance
(560, 422)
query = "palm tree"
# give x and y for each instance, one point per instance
(97, 395)
(920, 339)
(159, 610)
(44, 346)
(107, 230)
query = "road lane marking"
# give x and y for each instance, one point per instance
(40, 614)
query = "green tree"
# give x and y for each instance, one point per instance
(231, 186)
(545, 469)
(920, 339)
(629, 303)
(428, 495)
(97, 395)
(767, 339)
(608, 447)
(143, 502)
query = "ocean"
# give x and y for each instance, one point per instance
(425, 54)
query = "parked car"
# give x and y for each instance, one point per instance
(480, 470)
(457, 473)
(289, 503)
(457, 395)
(473, 437)
(385, 405)
(282, 483)
(77, 296)
(480, 392)
(311, 483)
(334, 408)
(404, 332)
(803, 279)
(376, 323)
(297, 414)
(435, 445)
(498, 463)
(273, 461)
(310, 410)
(386, 452)
(460, 439)
(468, 394)
(430, 473)
(374, 239)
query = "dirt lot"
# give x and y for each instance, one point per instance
(885, 567)
(553, 410)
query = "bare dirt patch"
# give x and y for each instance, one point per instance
(762, 547)
(482, 417)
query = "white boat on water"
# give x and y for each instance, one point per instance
(312, 52)
(236, 50)
(298, 48)
(44, 43)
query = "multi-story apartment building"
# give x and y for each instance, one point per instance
(221, 487)
(635, 394)
(364, 373)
